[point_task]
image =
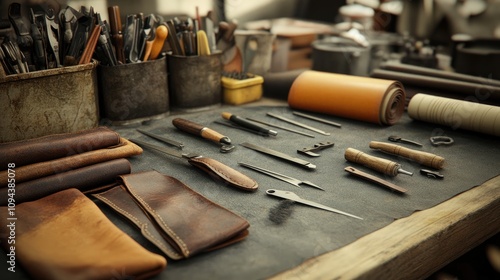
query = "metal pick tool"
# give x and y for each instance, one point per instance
(288, 179)
(298, 124)
(400, 139)
(292, 196)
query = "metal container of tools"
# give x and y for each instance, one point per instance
(195, 82)
(40, 103)
(134, 92)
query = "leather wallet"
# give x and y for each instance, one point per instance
(66, 236)
(178, 220)
(54, 146)
(84, 179)
(37, 170)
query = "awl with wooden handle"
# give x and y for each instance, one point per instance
(378, 164)
(423, 158)
(204, 132)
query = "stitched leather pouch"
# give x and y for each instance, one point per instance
(70, 238)
(41, 169)
(56, 146)
(188, 222)
(84, 179)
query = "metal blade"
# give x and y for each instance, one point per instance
(282, 127)
(312, 185)
(164, 150)
(296, 198)
(273, 174)
(162, 139)
(298, 124)
(277, 154)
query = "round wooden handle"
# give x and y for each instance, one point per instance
(423, 158)
(378, 164)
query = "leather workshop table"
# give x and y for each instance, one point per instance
(402, 236)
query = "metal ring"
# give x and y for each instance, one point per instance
(441, 140)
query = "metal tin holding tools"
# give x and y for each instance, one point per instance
(40, 103)
(195, 82)
(134, 92)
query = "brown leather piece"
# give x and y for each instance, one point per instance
(190, 222)
(84, 179)
(54, 146)
(120, 200)
(66, 236)
(41, 169)
(227, 174)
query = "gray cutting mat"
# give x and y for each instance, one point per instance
(309, 232)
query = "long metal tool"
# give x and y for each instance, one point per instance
(298, 124)
(292, 196)
(277, 154)
(316, 119)
(288, 179)
(163, 139)
(281, 127)
(211, 166)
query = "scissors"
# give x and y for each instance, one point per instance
(292, 196)
(288, 179)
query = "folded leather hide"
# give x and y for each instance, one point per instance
(33, 171)
(178, 220)
(54, 146)
(66, 236)
(84, 179)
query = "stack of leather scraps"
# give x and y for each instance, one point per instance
(60, 233)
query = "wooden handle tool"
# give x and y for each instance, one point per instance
(378, 164)
(160, 36)
(423, 158)
(197, 129)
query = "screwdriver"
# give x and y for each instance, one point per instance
(423, 158)
(378, 164)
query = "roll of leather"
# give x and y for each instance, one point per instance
(360, 98)
(188, 222)
(84, 179)
(66, 236)
(41, 169)
(55, 146)
(457, 114)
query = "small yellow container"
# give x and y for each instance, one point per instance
(237, 91)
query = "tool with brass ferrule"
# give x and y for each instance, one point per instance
(317, 147)
(210, 166)
(292, 196)
(423, 158)
(280, 155)
(378, 164)
(204, 132)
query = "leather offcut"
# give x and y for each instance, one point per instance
(188, 222)
(70, 238)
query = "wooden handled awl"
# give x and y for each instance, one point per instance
(423, 158)
(378, 164)
(160, 36)
(204, 132)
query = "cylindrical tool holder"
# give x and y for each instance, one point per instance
(195, 82)
(378, 164)
(134, 92)
(360, 98)
(423, 158)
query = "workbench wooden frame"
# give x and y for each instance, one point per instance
(416, 246)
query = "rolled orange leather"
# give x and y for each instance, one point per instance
(360, 98)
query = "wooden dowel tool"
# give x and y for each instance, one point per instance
(378, 164)
(423, 158)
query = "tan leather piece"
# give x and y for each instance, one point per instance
(54, 146)
(361, 98)
(188, 221)
(84, 179)
(227, 174)
(33, 171)
(66, 236)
